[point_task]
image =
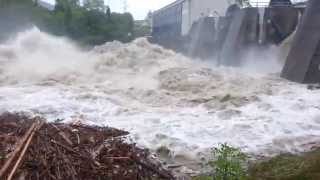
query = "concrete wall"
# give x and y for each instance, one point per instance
(193, 10)
(202, 8)
(166, 22)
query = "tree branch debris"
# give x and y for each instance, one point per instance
(32, 149)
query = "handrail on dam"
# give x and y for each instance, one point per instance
(264, 4)
(259, 3)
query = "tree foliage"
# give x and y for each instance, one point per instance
(94, 5)
(90, 24)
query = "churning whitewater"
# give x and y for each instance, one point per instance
(162, 98)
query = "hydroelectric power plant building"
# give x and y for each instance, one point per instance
(180, 15)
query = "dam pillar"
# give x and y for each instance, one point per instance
(303, 62)
(202, 38)
(242, 33)
(279, 23)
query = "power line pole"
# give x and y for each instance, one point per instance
(125, 6)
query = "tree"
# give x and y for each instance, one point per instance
(62, 5)
(90, 25)
(108, 12)
(74, 3)
(94, 5)
(66, 6)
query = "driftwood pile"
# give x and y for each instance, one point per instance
(33, 149)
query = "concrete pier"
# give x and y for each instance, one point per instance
(303, 62)
(202, 38)
(242, 32)
(279, 23)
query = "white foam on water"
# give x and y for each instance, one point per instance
(162, 98)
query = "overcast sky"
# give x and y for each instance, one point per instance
(139, 8)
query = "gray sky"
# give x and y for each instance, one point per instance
(139, 8)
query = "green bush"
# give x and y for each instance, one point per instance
(229, 163)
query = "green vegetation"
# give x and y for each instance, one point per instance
(228, 164)
(202, 178)
(90, 24)
(288, 167)
(141, 30)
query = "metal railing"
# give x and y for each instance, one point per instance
(266, 3)
(258, 3)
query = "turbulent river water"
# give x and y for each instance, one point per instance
(162, 98)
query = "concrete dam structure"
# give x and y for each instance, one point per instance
(208, 28)
(303, 62)
(242, 32)
(254, 27)
(226, 31)
(189, 25)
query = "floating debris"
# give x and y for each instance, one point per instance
(30, 148)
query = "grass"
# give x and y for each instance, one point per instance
(202, 178)
(288, 167)
(283, 167)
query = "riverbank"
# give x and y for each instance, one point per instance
(304, 166)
